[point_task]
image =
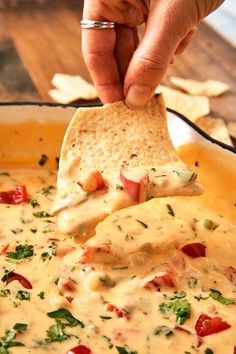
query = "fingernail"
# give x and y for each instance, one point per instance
(138, 96)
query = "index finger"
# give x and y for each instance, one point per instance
(98, 50)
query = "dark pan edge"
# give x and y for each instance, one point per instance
(186, 120)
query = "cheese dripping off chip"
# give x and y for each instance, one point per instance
(192, 107)
(210, 88)
(113, 157)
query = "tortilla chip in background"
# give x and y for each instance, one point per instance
(215, 127)
(210, 88)
(62, 96)
(70, 88)
(192, 107)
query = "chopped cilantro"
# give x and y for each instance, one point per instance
(41, 295)
(180, 307)
(56, 333)
(23, 295)
(105, 318)
(5, 292)
(16, 231)
(208, 351)
(178, 295)
(20, 327)
(192, 282)
(123, 350)
(6, 275)
(216, 295)
(108, 340)
(66, 315)
(167, 331)
(33, 202)
(142, 223)
(42, 214)
(52, 252)
(7, 340)
(22, 251)
(120, 268)
(43, 159)
(170, 210)
(46, 190)
(201, 297)
(208, 224)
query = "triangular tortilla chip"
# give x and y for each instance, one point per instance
(215, 127)
(70, 88)
(108, 139)
(192, 107)
(210, 88)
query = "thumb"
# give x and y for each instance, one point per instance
(165, 30)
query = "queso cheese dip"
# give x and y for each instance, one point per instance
(157, 278)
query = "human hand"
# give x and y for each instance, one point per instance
(120, 66)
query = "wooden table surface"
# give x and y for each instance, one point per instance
(38, 39)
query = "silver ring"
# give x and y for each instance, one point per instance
(97, 24)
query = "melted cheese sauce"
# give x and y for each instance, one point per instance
(109, 283)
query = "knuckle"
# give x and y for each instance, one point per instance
(151, 61)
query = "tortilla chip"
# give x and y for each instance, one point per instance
(108, 139)
(70, 88)
(232, 129)
(216, 128)
(191, 107)
(210, 88)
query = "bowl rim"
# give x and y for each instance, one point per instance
(180, 115)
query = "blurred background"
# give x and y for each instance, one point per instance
(39, 38)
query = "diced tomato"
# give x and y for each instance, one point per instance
(18, 195)
(194, 250)
(158, 282)
(135, 187)
(234, 350)
(200, 341)
(69, 299)
(92, 182)
(15, 276)
(65, 285)
(80, 349)
(207, 325)
(5, 248)
(119, 312)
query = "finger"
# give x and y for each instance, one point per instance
(185, 42)
(164, 32)
(98, 51)
(124, 49)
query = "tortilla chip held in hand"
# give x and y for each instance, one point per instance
(113, 157)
